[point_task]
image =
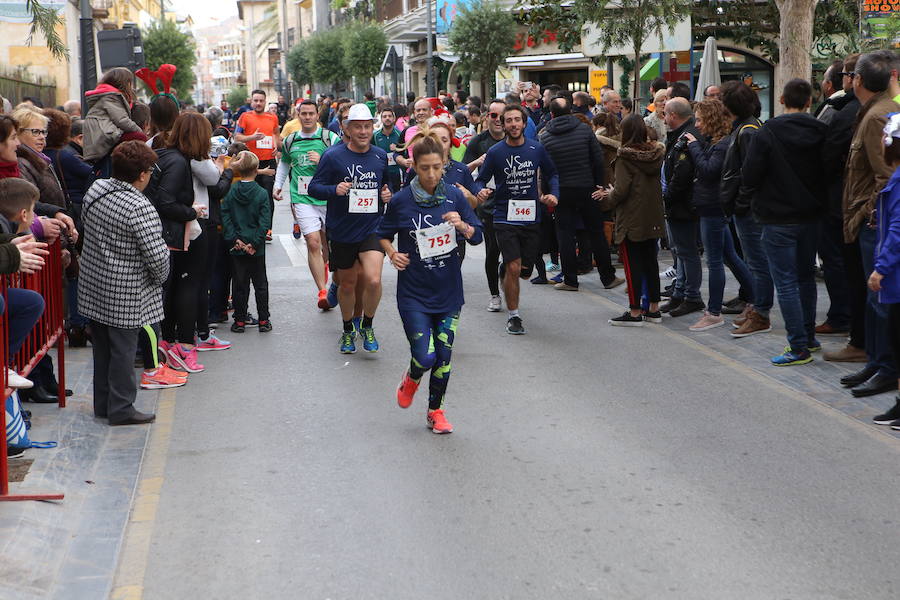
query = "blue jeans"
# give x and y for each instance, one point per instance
(830, 249)
(750, 234)
(878, 345)
(25, 308)
(719, 247)
(689, 273)
(791, 250)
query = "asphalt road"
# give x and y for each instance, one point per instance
(587, 462)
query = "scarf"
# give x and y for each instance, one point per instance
(423, 198)
(9, 169)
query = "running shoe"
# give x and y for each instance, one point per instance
(370, 344)
(707, 321)
(185, 359)
(551, 266)
(437, 422)
(667, 274)
(514, 326)
(269, 236)
(813, 347)
(332, 295)
(626, 320)
(170, 372)
(296, 232)
(557, 278)
(238, 327)
(323, 301)
(212, 343)
(348, 346)
(406, 390)
(161, 378)
(265, 326)
(539, 280)
(251, 321)
(494, 304)
(791, 358)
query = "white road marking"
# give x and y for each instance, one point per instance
(296, 249)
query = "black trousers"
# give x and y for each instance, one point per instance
(894, 329)
(208, 251)
(244, 270)
(220, 281)
(575, 203)
(268, 183)
(492, 253)
(856, 286)
(115, 386)
(641, 269)
(180, 292)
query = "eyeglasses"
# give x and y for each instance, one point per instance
(850, 74)
(35, 132)
(494, 115)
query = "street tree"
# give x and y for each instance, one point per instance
(237, 97)
(482, 36)
(364, 48)
(165, 43)
(326, 57)
(298, 63)
(629, 23)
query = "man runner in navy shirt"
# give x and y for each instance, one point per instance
(352, 178)
(518, 167)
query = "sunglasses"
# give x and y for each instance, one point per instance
(36, 132)
(494, 115)
(850, 74)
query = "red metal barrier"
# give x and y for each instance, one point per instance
(48, 331)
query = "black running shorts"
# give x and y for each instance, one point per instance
(344, 256)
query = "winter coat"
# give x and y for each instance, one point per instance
(866, 173)
(71, 170)
(637, 197)
(35, 169)
(708, 162)
(837, 149)
(107, 118)
(171, 190)
(828, 109)
(734, 194)
(786, 169)
(575, 152)
(610, 153)
(245, 216)
(887, 252)
(124, 260)
(679, 173)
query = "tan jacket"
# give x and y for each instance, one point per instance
(637, 197)
(866, 172)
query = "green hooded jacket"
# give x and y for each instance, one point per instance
(245, 216)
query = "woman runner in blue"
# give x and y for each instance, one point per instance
(425, 217)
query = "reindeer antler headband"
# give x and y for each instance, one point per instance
(164, 74)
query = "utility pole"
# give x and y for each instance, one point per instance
(429, 56)
(285, 85)
(88, 54)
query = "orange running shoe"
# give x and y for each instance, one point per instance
(160, 379)
(437, 423)
(406, 390)
(170, 372)
(323, 300)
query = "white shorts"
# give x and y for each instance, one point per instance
(310, 217)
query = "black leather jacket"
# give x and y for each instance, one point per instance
(171, 190)
(678, 170)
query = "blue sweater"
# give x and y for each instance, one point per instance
(515, 173)
(367, 171)
(887, 252)
(430, 285)
(77, 175)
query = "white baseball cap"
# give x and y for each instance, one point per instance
(359, 112)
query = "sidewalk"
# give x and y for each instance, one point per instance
(68, 548)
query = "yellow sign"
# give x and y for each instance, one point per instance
(598, 80)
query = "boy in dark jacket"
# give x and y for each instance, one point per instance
(245, 219)
(786, 168)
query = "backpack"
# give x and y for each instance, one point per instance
(326, 139)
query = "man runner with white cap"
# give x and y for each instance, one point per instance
(352, 179)
(299, 160)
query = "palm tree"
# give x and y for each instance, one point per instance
(44, 21)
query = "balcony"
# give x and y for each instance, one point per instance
(408, 27)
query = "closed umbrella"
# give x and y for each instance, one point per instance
(709, 68)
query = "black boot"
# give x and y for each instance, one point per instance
(38, 395)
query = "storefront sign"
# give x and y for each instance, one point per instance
(447, 10)
(598, 80)
(879, 18)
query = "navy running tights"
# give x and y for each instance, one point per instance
(431, 338)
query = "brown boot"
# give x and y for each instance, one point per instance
(847, 354)
(755, 323)
(742, 318)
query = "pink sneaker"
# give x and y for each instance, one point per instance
(185, 359)
(212, 343)
(707, 321)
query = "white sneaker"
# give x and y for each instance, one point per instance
(14, 380)
(668, 273)
(495, 304)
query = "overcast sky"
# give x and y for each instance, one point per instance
(205, 12)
